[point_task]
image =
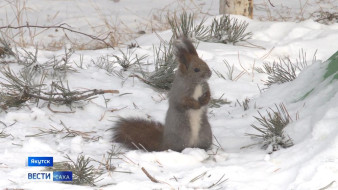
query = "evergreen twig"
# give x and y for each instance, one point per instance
(284, 70)
(67, 133)
(19, 89)
(184, 25)
(272, 129)
(228, 30)
(83, 172)
(127, 59)
(165, 65)
(223, 30)
(217, 103)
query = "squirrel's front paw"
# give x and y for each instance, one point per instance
(205, 98)
(190, 103)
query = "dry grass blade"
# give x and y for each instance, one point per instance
(244, 104)
(198, 177)
(113, 153)
(219, 182)
(229, 73)
(43, 132)
(3, 134)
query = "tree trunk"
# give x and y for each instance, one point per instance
(237, 7)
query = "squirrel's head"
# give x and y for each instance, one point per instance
(190, 65)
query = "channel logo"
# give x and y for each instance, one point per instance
(40, 176)
(40, 161)
(50, 176)
(63, 176)
(46, 176)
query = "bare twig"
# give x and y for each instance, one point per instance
(327, 186)
(54, 111)
(63, 27)
(139, 77)
(3, 123)
(271, 3)
(149, 176)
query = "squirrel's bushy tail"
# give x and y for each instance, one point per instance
(137, 133)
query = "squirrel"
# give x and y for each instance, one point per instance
(186, 124)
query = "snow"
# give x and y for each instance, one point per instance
(311, 164)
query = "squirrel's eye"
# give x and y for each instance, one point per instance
(197, 70)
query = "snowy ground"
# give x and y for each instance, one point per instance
(310, 164)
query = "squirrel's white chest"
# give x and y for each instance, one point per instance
(195, 116)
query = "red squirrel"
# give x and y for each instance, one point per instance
(186, 124)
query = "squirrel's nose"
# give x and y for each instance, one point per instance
(209, 74)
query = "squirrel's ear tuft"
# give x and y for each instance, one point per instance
(184, 44)
(184, 49)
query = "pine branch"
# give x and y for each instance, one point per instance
(272, 127)
(71, 98)
(19, 89)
